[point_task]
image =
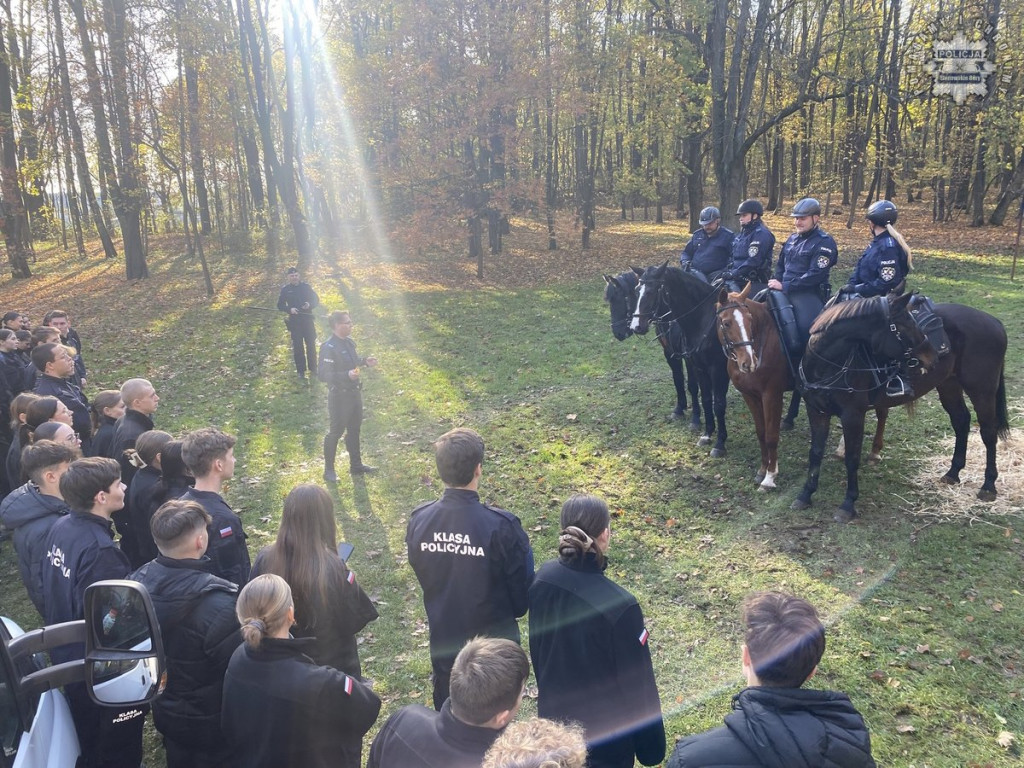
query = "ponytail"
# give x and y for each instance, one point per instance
(903, 244)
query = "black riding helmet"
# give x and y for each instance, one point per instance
(750, 206)
(708, 215)
(881, 213)
(808, 206)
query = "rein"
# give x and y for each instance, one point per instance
(668, 317)
(728, 346)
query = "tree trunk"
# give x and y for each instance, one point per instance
(14, 218)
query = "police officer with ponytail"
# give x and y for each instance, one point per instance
(887, 260)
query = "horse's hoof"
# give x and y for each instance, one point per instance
(765, 488)
(786, 426)
(704, 440)
(695, 426)
(759, 478)
(717, 453)
(799, 504)
(948, 479)
(676, 415)
(984, 494)
(844, 515)
(874, 459)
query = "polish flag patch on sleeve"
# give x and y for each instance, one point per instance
(351, 577)
(225, 532)
(348, 685)
(643, 636)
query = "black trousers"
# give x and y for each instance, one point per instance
(345, 408)
(110, 737)
(187, 756)
(303, 342)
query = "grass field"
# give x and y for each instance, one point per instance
(922, 593)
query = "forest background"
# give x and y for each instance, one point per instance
(423, 124)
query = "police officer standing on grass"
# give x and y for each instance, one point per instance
(710, 247)
(299, 300)
(339, 370)
(752, 249)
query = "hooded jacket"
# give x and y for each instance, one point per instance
(196, 612)
(781, 728)
(30, 514)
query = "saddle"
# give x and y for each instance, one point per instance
(922, 309)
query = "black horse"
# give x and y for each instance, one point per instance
(674, 295)
(857, 345)
(621, 295)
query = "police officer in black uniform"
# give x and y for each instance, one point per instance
(710, 247)
(881, 268)
(802, 273)
(752, 249)
(339, 370)
(299, 300)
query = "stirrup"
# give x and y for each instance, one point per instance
(898, 387)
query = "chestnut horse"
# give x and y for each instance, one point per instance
(761, 373)
(850, 357)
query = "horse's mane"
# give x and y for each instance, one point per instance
(846, 311)
(691, 285)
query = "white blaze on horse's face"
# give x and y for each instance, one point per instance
(635, 325)
(747, 349)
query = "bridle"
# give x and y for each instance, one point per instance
(729, 346)
(664, 320)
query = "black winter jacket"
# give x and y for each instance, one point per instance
(781, 728)
(417, 737)
(126, 432)
(475, 565)
(196, 611)
(227, 548)
(281, 710)
(333, 623)
(590, 653)
(30, 515)
(71, 395)
(103, 438)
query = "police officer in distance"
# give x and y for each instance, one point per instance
(802, 273)
(881, 268)
(299, 300)
(752, 248)
(710, 247)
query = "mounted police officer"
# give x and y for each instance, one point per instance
(299, 300)
(752, 249)
(710, 247)
(801, 275)
(880, 269)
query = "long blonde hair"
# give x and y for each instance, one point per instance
(903, 244)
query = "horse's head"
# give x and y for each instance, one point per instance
(649, 299)
(737, 329)
(901, 338)
(620, 293)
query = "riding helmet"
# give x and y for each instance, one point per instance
(881, 213)
(808, 206)
(750, 206)
(708, 215)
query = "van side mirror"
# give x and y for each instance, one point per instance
(124, 655)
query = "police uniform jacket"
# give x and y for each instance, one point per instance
(196, 613)
(127, 431)
(417, 737)
(338, 356)
(69, 394)
(79, 551)
(475, 566)
(781, 727)
(593, 665)
(706, 253)
(227, 547)
(294, 296)
(752, 249)
(281, 710)
(103, 441)
(881, 267)
(806, 260)
(136, 499)
(330, 623)
(30, 515)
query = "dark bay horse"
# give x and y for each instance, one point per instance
(621, 295)
(760, 371)
(840, 370)
(670, 294)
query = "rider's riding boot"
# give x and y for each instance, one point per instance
(898, 386)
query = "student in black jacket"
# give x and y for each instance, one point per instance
(281, 710)
(196, 612)
(590, 647)
(140, 402)
(106, 408)
(775, 721)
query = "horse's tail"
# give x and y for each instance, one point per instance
(1002, 416)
